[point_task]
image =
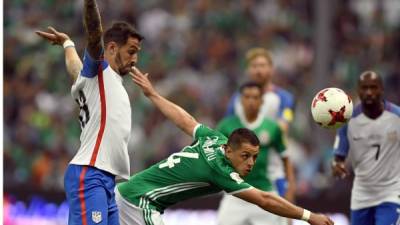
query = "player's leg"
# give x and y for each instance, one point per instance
(129, 214)
(387, 214)
(71, 187)
(87, 195)
(232, 211)
(113, 212)
(363, 216)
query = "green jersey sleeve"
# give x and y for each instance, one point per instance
(225, 177)
(231, 183)
(203, 131)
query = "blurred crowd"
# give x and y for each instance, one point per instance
(194, 53)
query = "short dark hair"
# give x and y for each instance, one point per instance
(119, 32)
(250, 84)
(240, 136)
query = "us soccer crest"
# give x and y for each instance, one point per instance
(96, 216)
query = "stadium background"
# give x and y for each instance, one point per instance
(194, 52)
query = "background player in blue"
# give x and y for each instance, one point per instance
(277, 105)
(371, 141)
(105, 116)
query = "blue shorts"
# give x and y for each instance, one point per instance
(90, 196)
(384, 214)
(281, 186)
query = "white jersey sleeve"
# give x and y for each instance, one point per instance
(105, 118)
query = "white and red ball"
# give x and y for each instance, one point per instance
(331, 108)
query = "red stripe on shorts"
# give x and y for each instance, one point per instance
(82, 195)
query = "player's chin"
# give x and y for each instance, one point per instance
(245, 173)
(124, 72)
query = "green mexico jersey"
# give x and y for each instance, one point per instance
(197, 170)
(270, 136)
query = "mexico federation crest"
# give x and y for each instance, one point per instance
(96, 216)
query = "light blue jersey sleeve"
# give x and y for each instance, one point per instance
(91, 66)
(391, 107)
(286, 108)
(341, 145)
(230, 111)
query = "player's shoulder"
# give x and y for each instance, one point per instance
(267, 122)
(392, 108)
(229, 119)
(283, 93)
(356, 111)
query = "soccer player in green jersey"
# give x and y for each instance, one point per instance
(210, 164)
(232, 210)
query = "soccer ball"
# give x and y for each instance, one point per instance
(331, 108)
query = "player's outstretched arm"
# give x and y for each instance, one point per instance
(176, 114)
(277, 205)
(94, 30)
(72, 60)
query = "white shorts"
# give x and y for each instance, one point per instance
(235, 211)
(130, 214)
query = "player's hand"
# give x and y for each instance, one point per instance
(53, 36)
(142, 81)
(339, 169)
(319, 219)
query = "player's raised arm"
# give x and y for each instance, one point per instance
(277, 205)
(72, 60)
(94, 30)
(176, 114)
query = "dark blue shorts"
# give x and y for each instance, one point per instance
(281, 185)
(384, 214)
(90, 196)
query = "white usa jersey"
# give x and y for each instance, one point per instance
(373, 148)
(105, 118)
(277, 104)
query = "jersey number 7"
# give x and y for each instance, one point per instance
(378, 149)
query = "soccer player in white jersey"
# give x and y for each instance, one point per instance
(371, 142)
(277, 105)
(105, 117)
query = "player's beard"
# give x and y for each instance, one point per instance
(122, 69)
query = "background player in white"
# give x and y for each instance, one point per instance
(211, 164)
(371, 141)
(105, 117)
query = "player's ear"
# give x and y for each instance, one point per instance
(228, 149)
(112, 47)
